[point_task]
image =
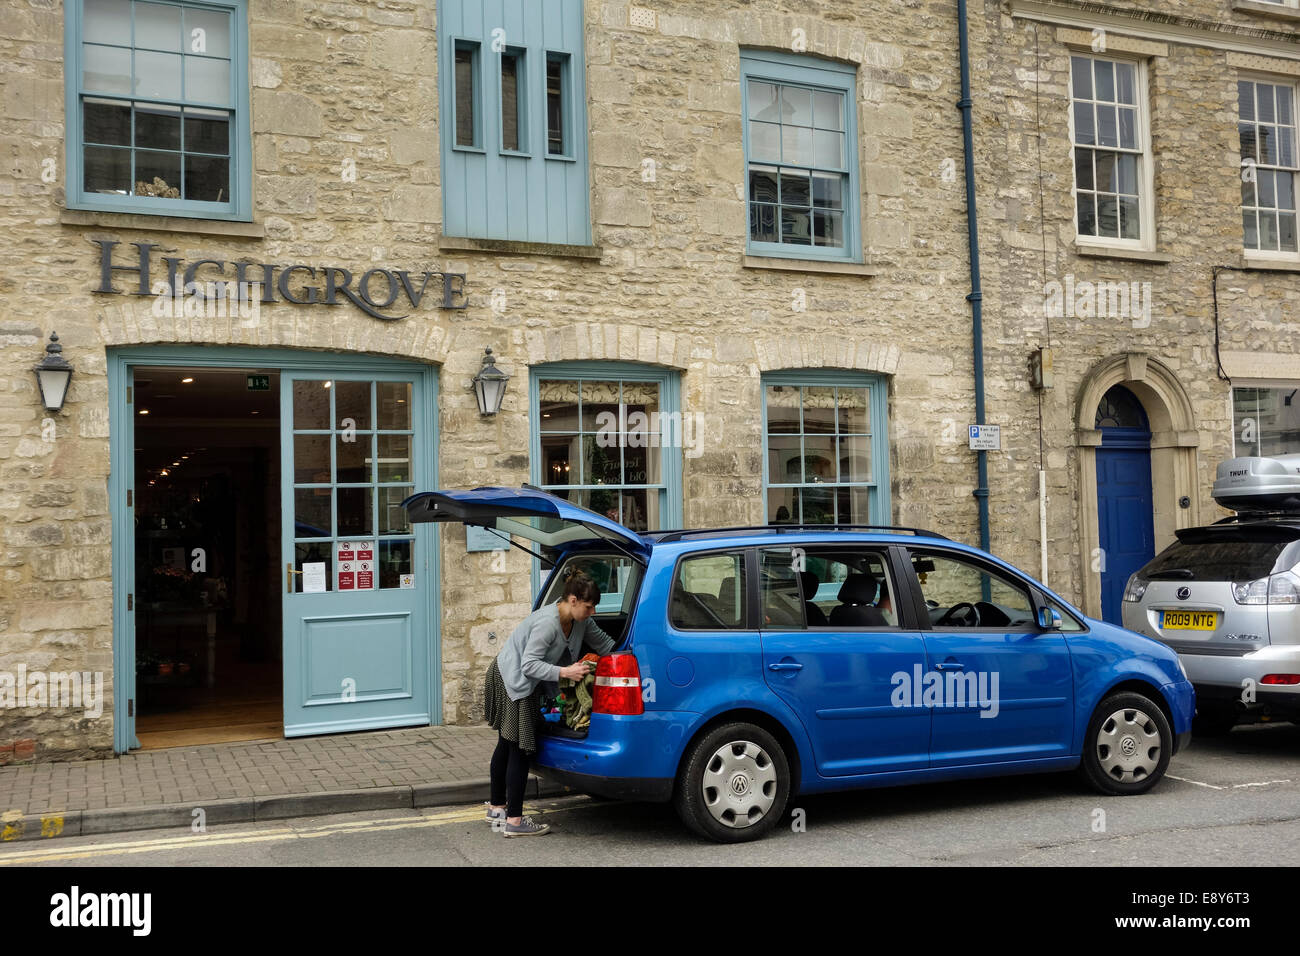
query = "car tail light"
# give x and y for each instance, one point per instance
(618, 686)
(1135, 589)
(1280, 679)
(1274, 589)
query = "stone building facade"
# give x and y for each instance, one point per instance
(1205, 338)
(600, 203)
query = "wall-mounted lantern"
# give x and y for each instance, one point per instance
(53, 375)
(490, 385)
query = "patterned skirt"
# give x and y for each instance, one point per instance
(515, 720)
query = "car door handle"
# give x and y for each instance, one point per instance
(785, 666)
(950, 666)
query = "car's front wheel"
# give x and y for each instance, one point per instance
(1128, 744)
(734, 784)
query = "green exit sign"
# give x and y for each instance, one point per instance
(259, 383)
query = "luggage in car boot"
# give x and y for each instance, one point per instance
(1259, 484)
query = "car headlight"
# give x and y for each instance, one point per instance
(1135, 589)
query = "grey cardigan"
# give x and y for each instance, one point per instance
(534, 648)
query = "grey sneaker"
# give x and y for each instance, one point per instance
(493, 815)
(526, 827)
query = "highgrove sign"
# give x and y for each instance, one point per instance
(374, 292)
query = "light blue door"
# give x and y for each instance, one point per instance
(357, 646)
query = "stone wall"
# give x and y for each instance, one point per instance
(1022, 104)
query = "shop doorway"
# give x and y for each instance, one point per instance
(268, 585)
(208, 619)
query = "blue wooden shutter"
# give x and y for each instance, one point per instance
(527, 195)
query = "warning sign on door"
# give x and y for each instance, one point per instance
(355, 564)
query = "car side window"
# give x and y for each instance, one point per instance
(961, 593)
(841, 589)
(709, 593)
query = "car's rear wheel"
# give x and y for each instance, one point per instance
(734, 784)
(1127, 747)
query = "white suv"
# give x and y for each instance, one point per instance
(1227, 597)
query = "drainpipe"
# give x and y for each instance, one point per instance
(976, 296)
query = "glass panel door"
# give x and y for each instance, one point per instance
(356, 638)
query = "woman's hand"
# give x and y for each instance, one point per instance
(576, 671)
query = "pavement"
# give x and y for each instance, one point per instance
(250, 781)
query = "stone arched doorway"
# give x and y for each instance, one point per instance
(1173, 443)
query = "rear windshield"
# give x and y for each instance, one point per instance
(616, 575)
(1215, 561)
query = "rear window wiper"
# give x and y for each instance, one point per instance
(1171, 573)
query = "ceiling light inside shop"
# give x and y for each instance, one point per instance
(186, 381)
(144, 411)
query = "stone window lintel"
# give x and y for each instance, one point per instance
(1115, 43)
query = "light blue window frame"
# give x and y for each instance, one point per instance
(566, 128)
(880, 508)
(240, 206)
(475, 51)
(811, 73)
(670, 400)
(523, 95)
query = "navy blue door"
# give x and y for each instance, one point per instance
(1124, 501)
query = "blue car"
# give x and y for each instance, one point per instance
(756, 663)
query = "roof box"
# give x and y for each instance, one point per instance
(1259, 484)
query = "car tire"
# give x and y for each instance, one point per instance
(733, 785)
(1214, 720)
(1127, 746)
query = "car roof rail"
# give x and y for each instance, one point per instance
(680, 533)
(1260, 516)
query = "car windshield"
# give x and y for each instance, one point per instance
(1215, 561)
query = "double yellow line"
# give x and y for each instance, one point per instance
(474, 814)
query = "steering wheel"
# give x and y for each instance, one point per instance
(970, 619)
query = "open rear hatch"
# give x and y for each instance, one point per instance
(614, 556)
(529, 513)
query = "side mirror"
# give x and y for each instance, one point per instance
(1049, 619)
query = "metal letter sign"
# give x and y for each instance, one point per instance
(297, 284)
